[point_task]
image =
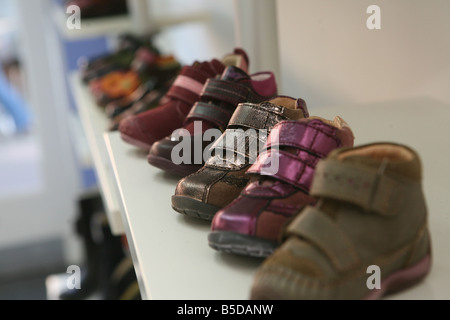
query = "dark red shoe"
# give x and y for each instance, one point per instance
(153, 125)
(218, 101)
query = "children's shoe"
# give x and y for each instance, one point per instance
(148, 127)
(252, 224)
(366, 236)
(218, 101)
(223, 177)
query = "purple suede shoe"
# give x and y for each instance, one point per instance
(281, 177)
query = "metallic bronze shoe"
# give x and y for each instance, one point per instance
(223, 177)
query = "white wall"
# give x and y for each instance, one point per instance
(207, 33)
(329, 57)
(221, 26)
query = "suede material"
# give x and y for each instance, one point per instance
(218, 101)
(153, 125)
(298, 271)
(393, 242)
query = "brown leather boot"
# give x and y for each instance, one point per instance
(223, 177)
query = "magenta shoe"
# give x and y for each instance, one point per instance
(253, 222)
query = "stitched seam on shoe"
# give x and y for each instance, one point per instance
(209, 185)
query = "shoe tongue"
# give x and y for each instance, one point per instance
(233, 73)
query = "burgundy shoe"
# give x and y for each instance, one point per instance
(218, 101)
(252, 223)
(148, 127)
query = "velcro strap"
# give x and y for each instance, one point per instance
(226, 91)
(313, 136)
(320, 230)
(257, 116)
(251, 123)
(297, 170)
(185, 87)
(240, 144)
(212, 113)
(367, 187)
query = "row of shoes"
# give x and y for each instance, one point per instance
(131, 80)
(279, 184)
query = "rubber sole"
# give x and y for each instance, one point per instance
(402, 279)
(194, 208)
(164, 164)
(135, 142)
(236, 243)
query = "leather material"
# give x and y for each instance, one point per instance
(297, 170)
(196, 187)
(217, 104)
(165, 148)
(258, 116)
(297, 146)
(325, 253)
(314, 141)
(221, 180)
(247, 131)
(214, 114)
(316, 137)
(230, 92)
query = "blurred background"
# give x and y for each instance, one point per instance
(319, 50)
(47, 176)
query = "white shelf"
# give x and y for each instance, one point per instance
(95, 123)
(170, 252)
(172, 258)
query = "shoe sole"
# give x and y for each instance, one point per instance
(194, 208)
(135, 142)
(402, 279)
(231, 242)
(181, 170)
